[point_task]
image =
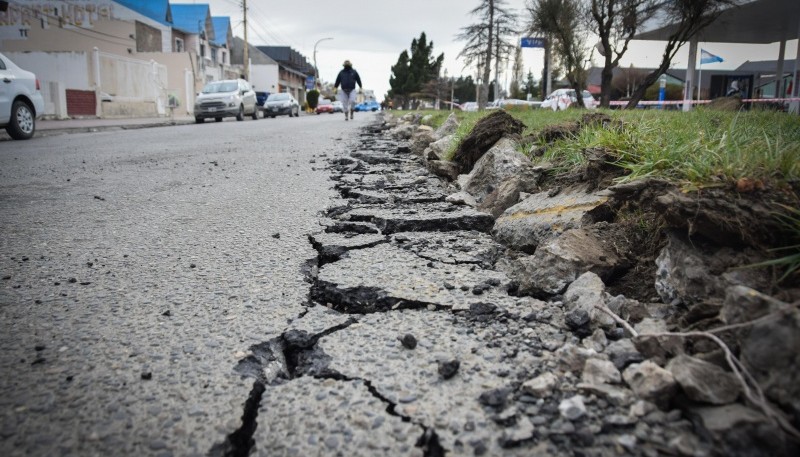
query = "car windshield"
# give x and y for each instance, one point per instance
(324, 102)
(278, 97)
(216, 87)
(587, 94)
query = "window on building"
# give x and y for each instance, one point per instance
(224, 59)
(202, 50)
(178, 45)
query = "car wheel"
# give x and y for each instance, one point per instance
(240, 114)
(218, 119)
(273, 116)
(255, 114)
(198, 120)
(22, 123)
(297, 113)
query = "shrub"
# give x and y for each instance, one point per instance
(312, 98)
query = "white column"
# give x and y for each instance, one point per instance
(189, 86)
(688, 90)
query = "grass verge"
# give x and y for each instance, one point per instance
(697, 149)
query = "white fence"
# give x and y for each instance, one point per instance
(130, 87)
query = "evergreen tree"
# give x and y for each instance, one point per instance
(399, 80)
(530, 87)
(464, 89)
(412, 73)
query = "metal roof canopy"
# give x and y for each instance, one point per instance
(755, 21)
(758, 21)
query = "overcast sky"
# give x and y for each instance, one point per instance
(372, 33)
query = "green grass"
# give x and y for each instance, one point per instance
(696, 149)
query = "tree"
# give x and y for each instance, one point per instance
(626, 80)
(561, 21)
(412, 72)
(489, 38)
(616, 22)
(517, 73)
(312, 98)
(399, 80)
(464, 89)
(686, 18)
(530, 86)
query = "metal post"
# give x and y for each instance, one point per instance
(97, 82)
(547, 70)
(794, 107)
(779, 90)
(316, 71)
(246, 56)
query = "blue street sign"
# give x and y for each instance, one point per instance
(530, 42)
(309, 82)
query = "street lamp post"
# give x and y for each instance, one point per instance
(316, 71)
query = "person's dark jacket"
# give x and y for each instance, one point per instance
(348, 78)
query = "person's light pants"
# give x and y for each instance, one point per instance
(348, 100)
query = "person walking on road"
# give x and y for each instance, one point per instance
(348, 78)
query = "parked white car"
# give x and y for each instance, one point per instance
(227, 98)
(21, 103)
(562, 99)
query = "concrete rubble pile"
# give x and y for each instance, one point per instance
(463, 308)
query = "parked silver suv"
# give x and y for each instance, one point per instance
(20, 100)
(228, 98)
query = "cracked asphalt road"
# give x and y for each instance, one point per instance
(138, 267)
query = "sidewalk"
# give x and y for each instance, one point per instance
(95, 125)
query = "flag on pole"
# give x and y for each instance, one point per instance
(707, 57)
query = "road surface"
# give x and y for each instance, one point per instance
(138, 267)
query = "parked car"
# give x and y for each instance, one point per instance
(561, 99)
(324, 106)
(369, 105)
(21, 103)
(338, 107)
(280, 104)
(227, 98)
(469, 106)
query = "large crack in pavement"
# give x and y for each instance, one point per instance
(393, 245)
(412, 343)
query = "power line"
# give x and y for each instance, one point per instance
(284, 39)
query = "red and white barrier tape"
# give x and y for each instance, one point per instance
(703, 102)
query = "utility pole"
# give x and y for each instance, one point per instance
(246, 46)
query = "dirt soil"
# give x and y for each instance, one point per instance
(741, 215)
(485, 134)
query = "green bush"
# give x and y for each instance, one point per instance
(312, 98)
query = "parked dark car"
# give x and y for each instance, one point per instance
(281, 104)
